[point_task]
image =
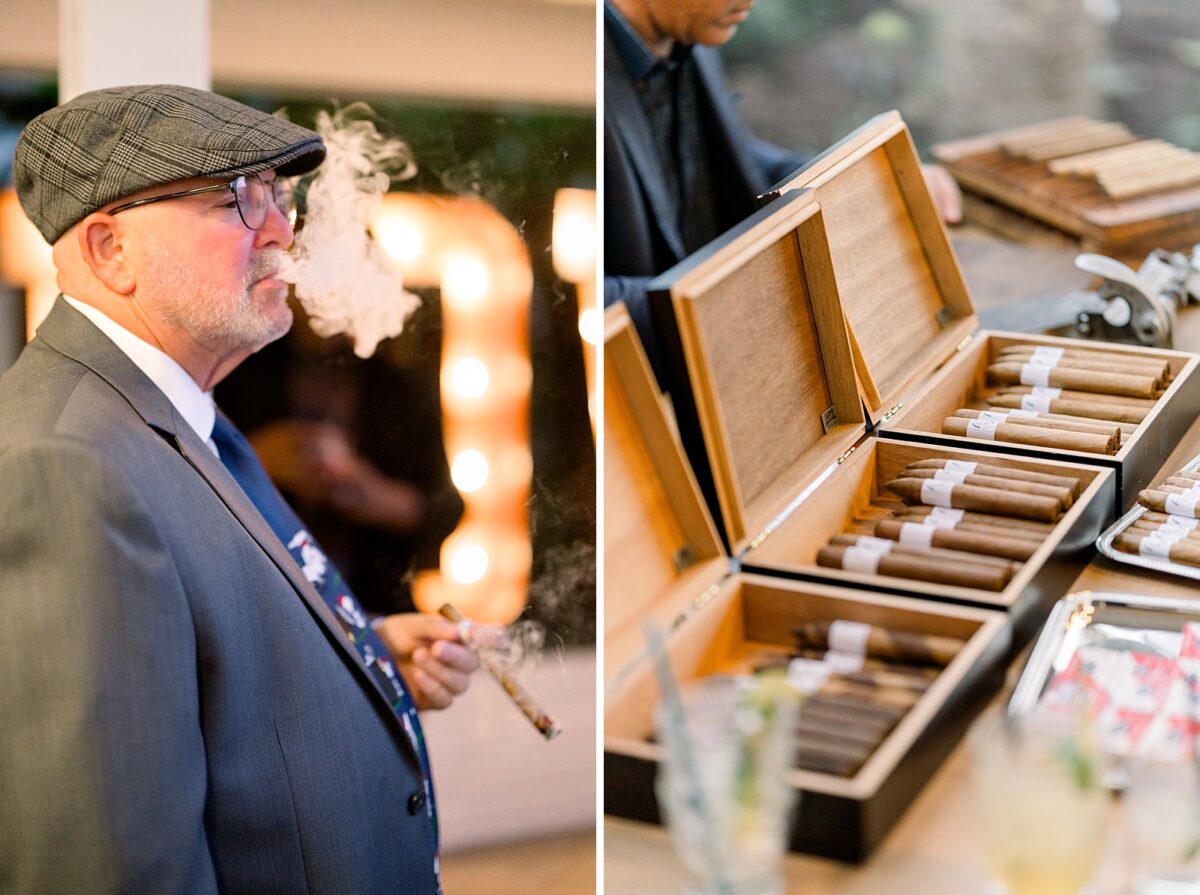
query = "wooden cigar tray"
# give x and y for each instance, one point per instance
(664, 565)
(918, 354)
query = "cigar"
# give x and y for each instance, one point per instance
(1093, 410)
(1065, 496)
(871, 663)
(884, 643)
(1018, 433)
(837, 707)
(1182, 551)
(1153, 516)
(1045, 421)
(1007, 472)
(1181, 481)
(1158, 370)
(1135, 386)
(1167, 501)
(895, 545)
(1026, 526)
(1077, 353)
(539, 719)
(970, 542)
(1190, 476)
(972, 497)
(819, 730)
(901, 565)
(1141, 526)
(1093, 397)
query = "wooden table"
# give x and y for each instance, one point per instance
(935, 848)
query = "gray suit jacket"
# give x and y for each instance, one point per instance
(178, 710)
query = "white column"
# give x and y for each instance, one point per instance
(106, 43)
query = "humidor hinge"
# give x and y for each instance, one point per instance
(829, 419)
(964, 343)
(844, 457)
(891, 413)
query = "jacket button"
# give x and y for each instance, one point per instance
(416, 802)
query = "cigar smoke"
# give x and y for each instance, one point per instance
(512, 649)
(343, 278)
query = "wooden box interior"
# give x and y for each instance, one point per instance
(848, 493)
(769, 363)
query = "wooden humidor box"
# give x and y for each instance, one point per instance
(918, 356)
(664, 563)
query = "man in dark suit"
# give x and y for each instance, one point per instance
(191, 700)
(680, 167)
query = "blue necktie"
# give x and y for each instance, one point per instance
(241, 461)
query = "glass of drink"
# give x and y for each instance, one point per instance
(721, 784)
(1040, 802)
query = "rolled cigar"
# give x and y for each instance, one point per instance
(972, 497)
(1121, 413)
(894, 545)
(1040, 528)
(1129, 384)
(1065, 496)
(1006, 472)
(1143, 527)
(994, 530)
(870, 663)
(1183, 550)
(884, 643)
(1159, 518)
(1193, 476)
(852, 735)
(1173, 502)
(894, 679)
(903, 565)
(1117, 357)
(1014, 433)
(1158, 370)
(1126, 428)
(989, 545)
(1095, 398)
(835, 707)
(1180, 481)
(1042, 421)
(863, 724)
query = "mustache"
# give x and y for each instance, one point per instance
(265, 264)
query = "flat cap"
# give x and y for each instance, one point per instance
(107, 144)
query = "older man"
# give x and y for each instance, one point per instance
(191, 700)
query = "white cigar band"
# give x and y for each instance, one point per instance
(1181, 523)
(981, 429)
(879, 545)
(945, 475)
(994, 416)
(861, 559)
(943, 517)
(935, 493)
(1153, 545)
(1180, 504)
(914, 534)
(1195, 486)
(848, 637)
(1035, 403)
(844, 663)
(1047, 391)
(807, 675)
(1035, 374)
(1170, 535)
(1047, 354)
(966, 467)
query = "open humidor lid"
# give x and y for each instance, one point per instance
(902, 290)
(661, 550)
(768, 361)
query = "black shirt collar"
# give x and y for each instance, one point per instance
(638, 58)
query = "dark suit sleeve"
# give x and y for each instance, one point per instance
(102, 763)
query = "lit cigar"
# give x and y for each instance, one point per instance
(883, 643)
(986, 543)
(530, 709)
(1157, 369)
(1006, 472)
(1044, 421)
(1183, 551)
(1024, 433)
(1093, 397)
(901, 565)
(972, 497)
(1027, 526)
(1135, 386)
(1065, 496)
(933, 551)
(1121, 413)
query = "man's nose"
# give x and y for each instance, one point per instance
(276, 229)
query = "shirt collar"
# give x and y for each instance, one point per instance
(638, 58)
(194, 405)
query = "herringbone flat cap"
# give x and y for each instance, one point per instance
(107, 144)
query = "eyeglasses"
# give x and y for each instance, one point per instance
(250, 192)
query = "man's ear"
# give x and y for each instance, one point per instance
(102, 246)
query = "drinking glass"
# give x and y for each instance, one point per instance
(1041, 804)
(721, 784)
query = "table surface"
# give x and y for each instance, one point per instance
(935, 847)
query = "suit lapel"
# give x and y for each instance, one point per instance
(70, 333)
(621, 104)
(714, 94)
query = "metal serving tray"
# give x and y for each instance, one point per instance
(1105, 542)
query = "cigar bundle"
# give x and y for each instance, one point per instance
(1169, 527)
(959, 523)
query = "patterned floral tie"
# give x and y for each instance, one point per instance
(241, 461)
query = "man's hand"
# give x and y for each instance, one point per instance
(947, 197)
(429, 652)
